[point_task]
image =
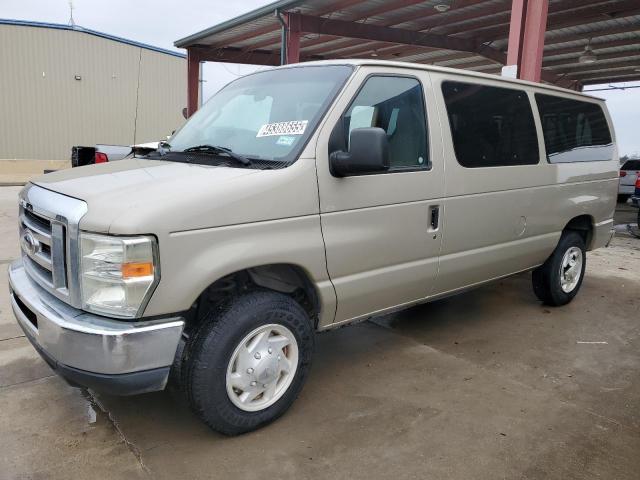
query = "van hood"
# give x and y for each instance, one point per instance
(138, 195)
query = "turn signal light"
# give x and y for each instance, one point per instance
(101, 157)
(135, 270)
(622, 172)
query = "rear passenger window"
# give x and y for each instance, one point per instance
(490, 126)
(631, 165)
(574, 131)
(396, 105)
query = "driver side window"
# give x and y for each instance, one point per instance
(395, 104)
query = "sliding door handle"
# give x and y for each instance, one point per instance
(435, 217)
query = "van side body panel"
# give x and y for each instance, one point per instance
(506, 219)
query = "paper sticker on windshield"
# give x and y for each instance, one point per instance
(296, 127)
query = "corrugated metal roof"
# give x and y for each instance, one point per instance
(611, 27)
(76, 28)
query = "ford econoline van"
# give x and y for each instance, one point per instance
(300, 199)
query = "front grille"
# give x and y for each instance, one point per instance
(40, 222)
(49, 232)
(43, 249)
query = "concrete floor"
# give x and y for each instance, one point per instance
(486, 385)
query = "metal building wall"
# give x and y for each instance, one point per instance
(44, 110)
(162, 95)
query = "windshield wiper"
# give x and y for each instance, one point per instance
(218, 150)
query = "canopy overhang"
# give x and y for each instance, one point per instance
(543, 40)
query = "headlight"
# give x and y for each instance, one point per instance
(117, 274)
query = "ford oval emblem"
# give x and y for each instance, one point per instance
(30, 244)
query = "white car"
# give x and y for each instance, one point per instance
(628, 176)
(111, 153)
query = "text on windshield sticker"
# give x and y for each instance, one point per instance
(296, 127)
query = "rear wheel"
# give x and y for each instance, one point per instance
(248, 363)
(558, 280)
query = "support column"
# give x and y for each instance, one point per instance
(193, 81)
(526, 38)
(293, 32)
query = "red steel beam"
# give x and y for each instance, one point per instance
(463, 66)
(275, 28)
(431, 18)
(469, 65)
(526, 37)
(193, 81)
(575, 16)
(381, 9)
(576, 60)
(602, 80)
(453, 58)
(394, 20)
(395, 35)
(609, 77)
(445, 56)
(633, 63)
(603, 32)
(394, 53)
(489, 17)
(448, 23)
(357, 48)
(516, 32)
(364, 31)
(273, 40)
(448, 58)
(451, 20)
(230, 55)
(235, 55)
(595, 46)
(293, 29)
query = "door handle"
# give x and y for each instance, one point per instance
(435, 217)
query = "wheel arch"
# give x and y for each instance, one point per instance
(584, 226)
(287, 278)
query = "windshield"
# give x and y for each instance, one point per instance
(266, 116)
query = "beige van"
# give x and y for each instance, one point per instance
(300, 199)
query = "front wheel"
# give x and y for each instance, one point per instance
(247, 364)
(558, 280)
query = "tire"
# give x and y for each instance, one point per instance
(547, 279)
(210, 373)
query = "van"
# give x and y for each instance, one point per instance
(300, 199)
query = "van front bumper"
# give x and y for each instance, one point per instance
(113, 356)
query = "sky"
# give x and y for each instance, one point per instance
(161, 22)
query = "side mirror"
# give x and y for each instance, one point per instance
(368, 153)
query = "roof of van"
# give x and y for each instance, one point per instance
(435, 68)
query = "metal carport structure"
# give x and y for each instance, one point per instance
(569, 43)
